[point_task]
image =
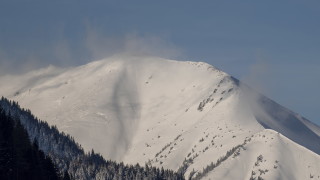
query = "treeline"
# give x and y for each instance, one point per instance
(19, 158)
(70, 158)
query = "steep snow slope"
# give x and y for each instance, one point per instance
(172, 114)
(269, 155)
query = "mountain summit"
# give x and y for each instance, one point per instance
(187, 116)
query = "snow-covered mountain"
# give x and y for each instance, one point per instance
(185, 116)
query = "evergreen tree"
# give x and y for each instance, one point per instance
(66, 176)
(19, 159)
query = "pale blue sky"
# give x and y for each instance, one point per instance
(272, 45)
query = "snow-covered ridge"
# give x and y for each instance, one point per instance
(168, 113)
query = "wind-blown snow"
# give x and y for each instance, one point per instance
(166, 112)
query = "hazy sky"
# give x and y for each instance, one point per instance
(272, 45)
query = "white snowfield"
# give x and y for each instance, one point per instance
(172, 114)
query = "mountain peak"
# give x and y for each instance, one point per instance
(180, 115)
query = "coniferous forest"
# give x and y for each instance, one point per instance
(19, 158)
(31, 149)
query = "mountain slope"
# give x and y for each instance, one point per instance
(18, 159)
(167, 113)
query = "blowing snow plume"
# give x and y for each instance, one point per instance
(271, 115)
(68, 50)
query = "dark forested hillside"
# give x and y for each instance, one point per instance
(67, 155)
(19, 158)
